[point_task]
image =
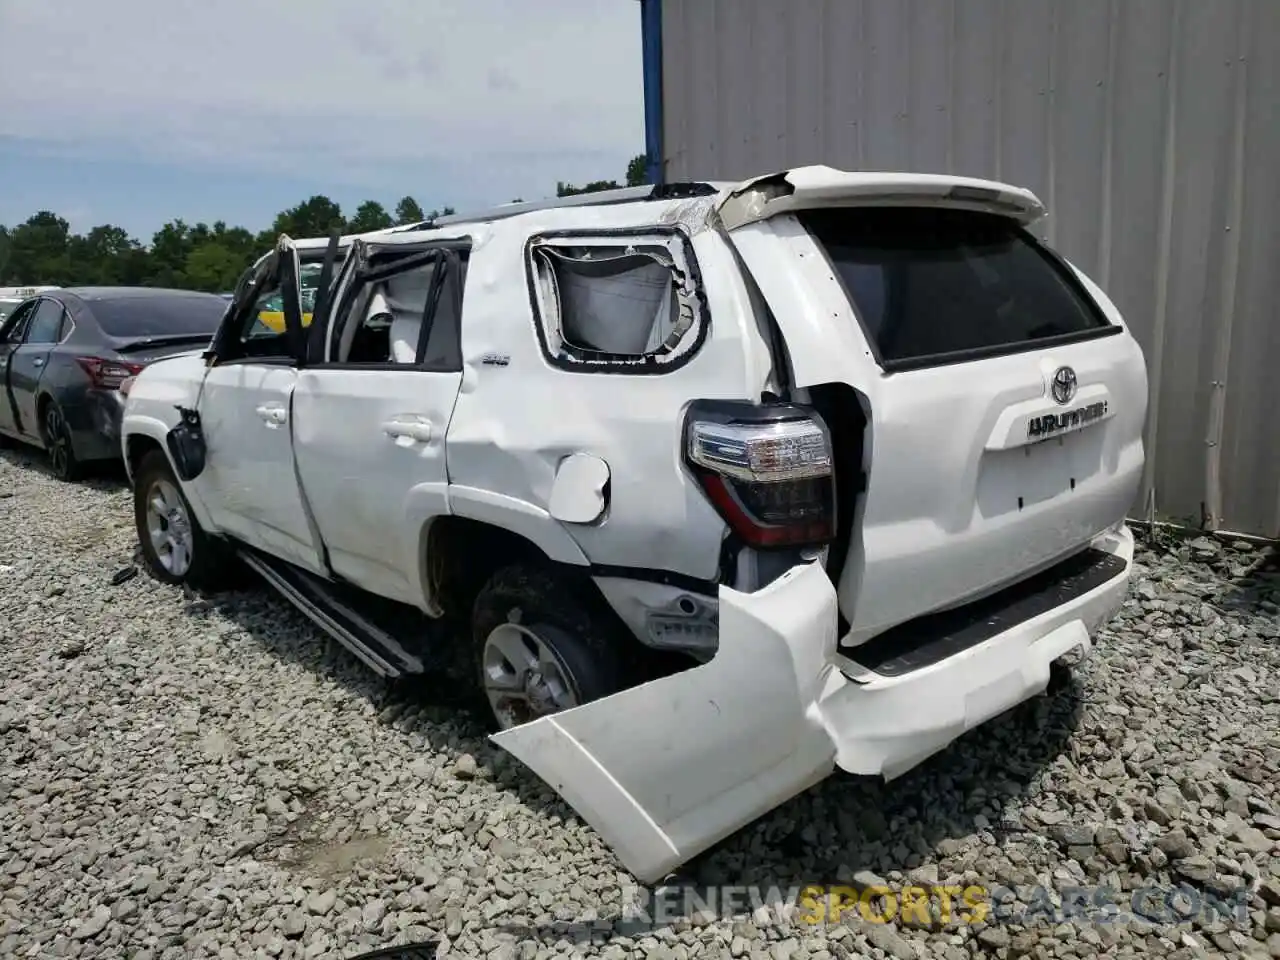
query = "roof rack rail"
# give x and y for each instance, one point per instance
(600, 198)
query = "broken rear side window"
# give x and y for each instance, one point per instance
(615, 303)
(930, 283)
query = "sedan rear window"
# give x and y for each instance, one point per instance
(931, 284)
(159, 316)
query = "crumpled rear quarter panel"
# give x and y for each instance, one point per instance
(514, 423)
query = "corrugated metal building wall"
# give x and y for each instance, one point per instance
(1146, 126)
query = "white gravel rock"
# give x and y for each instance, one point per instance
(207, 777)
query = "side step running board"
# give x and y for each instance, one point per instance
(374, 647)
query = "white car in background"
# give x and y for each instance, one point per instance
(13, 297)
(713, 488)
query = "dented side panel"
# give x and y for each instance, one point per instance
(520, 416)
(665, 770)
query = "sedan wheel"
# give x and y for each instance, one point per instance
(57, 438)
(169, 528)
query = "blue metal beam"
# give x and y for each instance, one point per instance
(651, 38)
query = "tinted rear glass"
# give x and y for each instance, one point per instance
(158, 316)
(932, 283)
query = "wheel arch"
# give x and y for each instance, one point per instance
(481, 530)
(461, 556)
(43, 399)
(458, 554)
(144, 435)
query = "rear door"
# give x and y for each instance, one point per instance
(28, 362)
(1004, 400)
(380, 391)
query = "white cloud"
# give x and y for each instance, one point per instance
(330, 88)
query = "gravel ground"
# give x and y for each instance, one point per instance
(190, 777)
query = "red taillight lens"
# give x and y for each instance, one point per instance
(766, 468)
(108, 374)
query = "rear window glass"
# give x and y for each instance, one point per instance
(159, 316)
(932, 283)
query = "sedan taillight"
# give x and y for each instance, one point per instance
(108, 374)
(767, 469)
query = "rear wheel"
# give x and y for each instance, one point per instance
(57, 443)
(176, 548)
(543, 647)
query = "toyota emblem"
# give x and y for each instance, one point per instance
(1063, 385)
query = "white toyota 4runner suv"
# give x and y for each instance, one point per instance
(729, 485)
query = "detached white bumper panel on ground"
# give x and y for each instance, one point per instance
(667, 769)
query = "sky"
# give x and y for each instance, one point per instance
(137, 112)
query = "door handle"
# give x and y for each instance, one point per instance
(273, 414)
(37, 361)
(415, 428)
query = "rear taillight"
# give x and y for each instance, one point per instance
(108, 374)
(767, 469)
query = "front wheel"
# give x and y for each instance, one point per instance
(175, 547)
(543, 647)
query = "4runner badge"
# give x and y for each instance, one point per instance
(1052, 424)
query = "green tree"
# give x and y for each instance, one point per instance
(408, 211)
(369, 216)
(238, 240)
(637, 175)
(314, 217)
(107, 255)
(170, 247)
(38, 250)
(6, 241)
(213, 267)
(200, 256)
(569, 190)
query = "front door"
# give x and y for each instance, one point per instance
(11, 335)
(245, 407)
(26, 365)
(382, 398)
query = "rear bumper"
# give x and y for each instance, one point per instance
(95, 425)
(665, 770)
(887, 725)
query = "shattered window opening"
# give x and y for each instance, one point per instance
(622, 302)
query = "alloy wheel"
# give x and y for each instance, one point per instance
(58, 440)
(524, 677)
(169, 528)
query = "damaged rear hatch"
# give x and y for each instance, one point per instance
(1001, 398)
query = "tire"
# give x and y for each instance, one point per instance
(57, 443)
(593, 657)
(208, 564)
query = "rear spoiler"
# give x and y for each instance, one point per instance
(135, 344)
(807, 188)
